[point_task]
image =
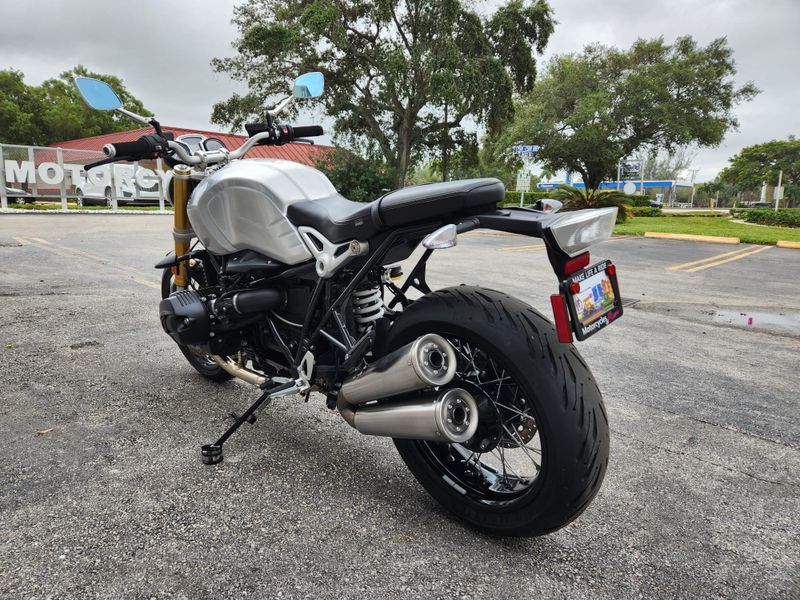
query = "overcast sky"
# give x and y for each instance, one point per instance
(162, 50)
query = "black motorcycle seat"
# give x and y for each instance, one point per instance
(340, 219)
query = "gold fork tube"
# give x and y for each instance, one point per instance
(182, 230)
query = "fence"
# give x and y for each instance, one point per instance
(32, 174)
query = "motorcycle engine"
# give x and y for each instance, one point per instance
(210, 321)
(185, 317)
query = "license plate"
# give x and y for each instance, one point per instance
(593, 298)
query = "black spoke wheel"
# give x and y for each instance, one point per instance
(541, 450)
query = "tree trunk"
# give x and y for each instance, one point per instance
(403, 153)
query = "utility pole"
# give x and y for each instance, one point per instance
(619, 173)
(694, 174)
(778, 194)
(445, 147)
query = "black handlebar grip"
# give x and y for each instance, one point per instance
(141, 148)
(307, 131)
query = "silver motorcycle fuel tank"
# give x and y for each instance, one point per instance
(243, 206)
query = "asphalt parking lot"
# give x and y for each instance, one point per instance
(103, 493)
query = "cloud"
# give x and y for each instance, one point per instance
(162, 50)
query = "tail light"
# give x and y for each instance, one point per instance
(574, 232)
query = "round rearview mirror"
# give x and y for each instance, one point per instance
(309, 85)
(97, 94)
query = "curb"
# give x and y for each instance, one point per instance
(75, 211)
(788, 244)
(714, 239)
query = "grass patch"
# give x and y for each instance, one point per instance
(749, 234)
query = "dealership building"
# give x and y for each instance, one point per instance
(56, 173)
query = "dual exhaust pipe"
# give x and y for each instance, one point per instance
(449, 416)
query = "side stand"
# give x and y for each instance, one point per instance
(212, 453)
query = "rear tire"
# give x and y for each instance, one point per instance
(203, 365)
(565, 409)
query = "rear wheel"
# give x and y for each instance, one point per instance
(202, 363)
(542, 445)
(107, 196)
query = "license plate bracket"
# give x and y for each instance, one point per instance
(593, 298)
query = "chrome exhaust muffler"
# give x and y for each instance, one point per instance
(450, 416)
(428, 361)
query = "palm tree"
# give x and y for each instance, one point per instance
(577, 198)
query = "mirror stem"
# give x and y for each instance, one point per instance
(134, 116)
(282, 105)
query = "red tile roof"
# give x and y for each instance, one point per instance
(301, 153)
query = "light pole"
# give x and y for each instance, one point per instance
(778, 194)
(694, 173)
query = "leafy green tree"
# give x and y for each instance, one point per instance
(54, 111)
(762, 163)
(393, 69)
(595, 108)
(355, 177)
(20, 107)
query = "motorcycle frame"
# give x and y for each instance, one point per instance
(525, 221)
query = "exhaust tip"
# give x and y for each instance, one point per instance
(434, 359)
(457, 415)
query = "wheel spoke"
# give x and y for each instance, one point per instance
(497, 474)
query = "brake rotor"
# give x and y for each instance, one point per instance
(524, 429)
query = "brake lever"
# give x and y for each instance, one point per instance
(105, 161)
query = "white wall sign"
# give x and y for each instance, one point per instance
(51, 173)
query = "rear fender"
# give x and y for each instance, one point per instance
(595, 224)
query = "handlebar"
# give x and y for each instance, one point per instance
(140, 147)
(306, 131)
(148, 145)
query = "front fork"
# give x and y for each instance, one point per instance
(182, 232)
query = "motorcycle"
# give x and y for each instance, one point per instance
(278, 280)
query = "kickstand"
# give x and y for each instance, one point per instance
(212, 453)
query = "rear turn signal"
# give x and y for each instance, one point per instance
(562, 319)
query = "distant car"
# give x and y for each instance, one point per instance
(760, 205)
(656, 204)
(98, 190)
(18, 196)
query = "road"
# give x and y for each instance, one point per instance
(104, 495)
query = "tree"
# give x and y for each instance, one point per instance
(392, 68)
(355, 177)
(54, 111)
(667, 165)
(593, 109)
(577, 199)
(762, 163)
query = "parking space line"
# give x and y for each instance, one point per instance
(542, 246)
(523, 248)
(727, 260)
(134, 274)
(692, 263)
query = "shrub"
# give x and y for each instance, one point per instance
(698, 213)
(780, 218)
(638, 200)
(646, 211)
(512, 198)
